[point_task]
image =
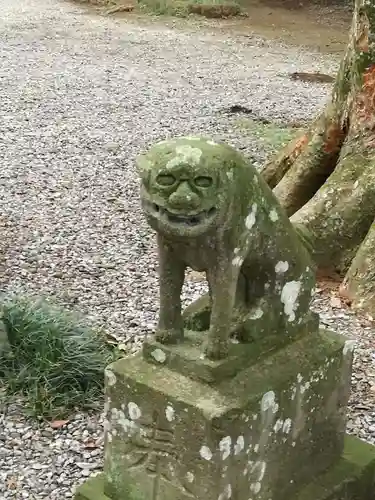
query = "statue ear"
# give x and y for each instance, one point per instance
(144, 170)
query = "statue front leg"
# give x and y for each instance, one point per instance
(171, 279)
(223, 283)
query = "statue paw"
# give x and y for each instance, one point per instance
(216, 349)
(169, 336)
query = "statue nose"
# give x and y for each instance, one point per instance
(184, 198)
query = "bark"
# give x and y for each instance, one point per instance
(359, 283)
(325, 179)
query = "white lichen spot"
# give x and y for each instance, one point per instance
(237, 261)
(225, 447)
(304, 387)
(256, 487)
(293, 444)
(169, 413)
(193, 138)
(143, 432)
(287, 425)
(227, 493)
(273, 215)
(110, 377)
(128, 426)
(281, 267)
(134, 411)
(269, 402)
(190, 477)
(159, 355)
(299, 378)
(240, 445)
(251, 218)
(230, 175)
(348, 347)
(212, 143)
(289, 296)
(256, 448)
(205, 453)
(257, 314)
(109, 437)
(262, 470)
(294, 391)
(256, 180)
(255, 416)
(355, 185)
(278, 425)
(185, 155)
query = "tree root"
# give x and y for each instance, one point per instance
(340, 214)
(325, 180)
(314, 165)
(359, 283)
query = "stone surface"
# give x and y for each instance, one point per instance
(213, 212)
(187, 357)
(268, 429)
(350, 478)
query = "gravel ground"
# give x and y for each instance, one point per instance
(81, 96)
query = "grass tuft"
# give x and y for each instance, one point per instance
(183, 8)
(54, 360)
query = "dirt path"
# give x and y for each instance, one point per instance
(309, 24)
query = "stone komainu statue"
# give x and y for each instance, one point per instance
(213, 212)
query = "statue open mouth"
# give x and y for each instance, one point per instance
(182, 219)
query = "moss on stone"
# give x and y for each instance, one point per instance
(283, 411)
(214, 213)
(351, 478)
(92, 489)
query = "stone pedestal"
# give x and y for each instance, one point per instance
(179, 427)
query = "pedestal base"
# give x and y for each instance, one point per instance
(351, 478)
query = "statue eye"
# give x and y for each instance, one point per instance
(165, 179)
(203, 181)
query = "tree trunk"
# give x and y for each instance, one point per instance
(325, 179)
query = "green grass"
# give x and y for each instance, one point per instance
(273, 136)
(182, 8)
(55, 362)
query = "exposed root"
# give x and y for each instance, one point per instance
(359, 283)
(339, 215)
(314, 165)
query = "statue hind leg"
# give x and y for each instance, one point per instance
(196, 315)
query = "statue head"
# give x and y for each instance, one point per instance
(187, 185)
